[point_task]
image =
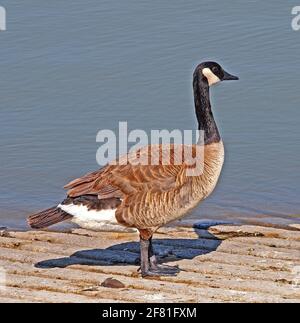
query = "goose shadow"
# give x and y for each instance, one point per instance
(127, 253)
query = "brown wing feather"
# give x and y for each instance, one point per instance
(125, 179)
(152, 195)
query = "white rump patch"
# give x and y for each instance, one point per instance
(102, 220)
(211, 77)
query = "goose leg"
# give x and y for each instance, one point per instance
(149, 266)
(152, 257)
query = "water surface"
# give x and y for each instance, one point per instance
(71, 69)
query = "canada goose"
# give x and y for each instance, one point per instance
(147, 197)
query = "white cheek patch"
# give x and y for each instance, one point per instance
(211, 77)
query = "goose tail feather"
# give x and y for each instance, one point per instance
(47, 217)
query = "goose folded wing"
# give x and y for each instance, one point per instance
(123, 178)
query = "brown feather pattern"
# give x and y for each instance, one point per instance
(47, 217)
(152, 195)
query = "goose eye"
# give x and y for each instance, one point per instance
(215, 70)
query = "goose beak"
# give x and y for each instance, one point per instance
(229, 77)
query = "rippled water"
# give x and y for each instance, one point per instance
(69, 69)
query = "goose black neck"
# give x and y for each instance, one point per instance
(206, 121)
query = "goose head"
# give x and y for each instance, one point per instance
(213, 73)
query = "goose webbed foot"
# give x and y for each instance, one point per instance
(149, 265)
(156, 267)
(161, 270)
